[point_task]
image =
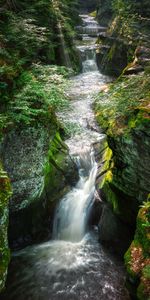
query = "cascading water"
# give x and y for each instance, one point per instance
(72, 212)
(90, 29)
(73, 266)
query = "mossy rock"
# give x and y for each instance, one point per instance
(143, 291)
(143, 228)
(5, 193)
(121, 203)
(41, 169)
(137, 258)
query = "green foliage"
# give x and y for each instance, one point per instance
(122, 7)
(146, 272)
(123, 101)
(130, 22)
(126, 7)
(30, 34)
(42, 94)
(34, 29)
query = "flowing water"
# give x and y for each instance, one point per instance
(72, 213)
(73, 265)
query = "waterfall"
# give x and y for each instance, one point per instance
(73, 210)
(72, 265)
(72, 213)
(88, 53)
(89, 65)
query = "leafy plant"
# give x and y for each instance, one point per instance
(42, 94)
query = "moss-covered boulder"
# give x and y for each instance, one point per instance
(5, 193)
(137, 258)
(40, 168)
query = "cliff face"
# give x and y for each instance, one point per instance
(40, 168)
(125, 119)
(122, 110)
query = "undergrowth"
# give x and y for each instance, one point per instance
(123, 99)
(38, 93)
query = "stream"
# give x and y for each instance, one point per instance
(73, 266)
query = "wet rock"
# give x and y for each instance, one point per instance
(108, 228)
(141, 61)
(96, 211)
(40, 170)
(112, 56)
(124, 184)
(113, 233)
(133, 70)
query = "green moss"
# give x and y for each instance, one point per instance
(93, 14)
(106, 165)
(122, 110)
(105, 184)
(141, 293)
(143, 228)
(110, 196)
(114, 194)
(143, 290)
(56, 167)
(146, 272)
(111, 52)
(142, 235)
(137, 257)
(5, 193)
(127, 259)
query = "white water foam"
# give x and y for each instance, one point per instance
(72, 213)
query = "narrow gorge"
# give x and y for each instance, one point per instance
(75, 150)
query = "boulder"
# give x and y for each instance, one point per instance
(113, 233)
(41, 170)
